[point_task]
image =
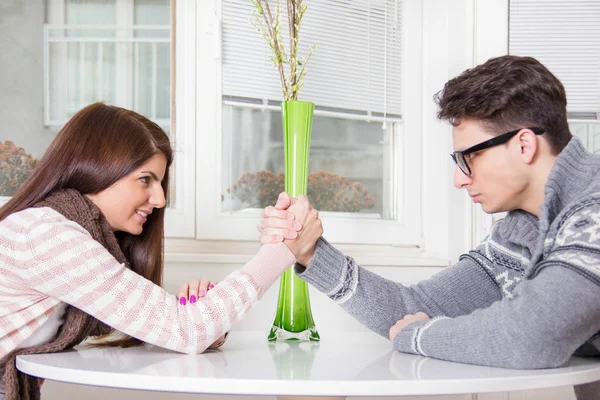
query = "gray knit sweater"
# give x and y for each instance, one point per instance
(527, 297)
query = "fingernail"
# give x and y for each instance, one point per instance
(291, 216)
(182, 301)
(202, 293)
(192, 299)
(211, 286)
(297, 226)
(278, 239)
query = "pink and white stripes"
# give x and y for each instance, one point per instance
(46, 259)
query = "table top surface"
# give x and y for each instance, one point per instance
(357, 364)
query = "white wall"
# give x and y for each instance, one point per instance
(21, 66)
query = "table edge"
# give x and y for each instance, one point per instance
(281, 387)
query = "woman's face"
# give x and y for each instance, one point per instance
(127, 203)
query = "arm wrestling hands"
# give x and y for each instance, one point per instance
(294, 222)
(297, 224)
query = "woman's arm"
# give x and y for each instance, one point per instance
(61, 260)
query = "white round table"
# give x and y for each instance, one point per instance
(359, 364)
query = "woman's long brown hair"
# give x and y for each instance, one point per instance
(100, 145)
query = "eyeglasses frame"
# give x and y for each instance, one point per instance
(497, 140)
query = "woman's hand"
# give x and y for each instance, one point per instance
(294, 222)
(277, 223)
(194, 291)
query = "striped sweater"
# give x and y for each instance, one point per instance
(47, 260)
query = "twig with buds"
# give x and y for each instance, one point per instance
(268, 23)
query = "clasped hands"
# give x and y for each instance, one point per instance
(297, 224)
(293, 222)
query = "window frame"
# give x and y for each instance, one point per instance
(213, 224)
(424, 235)
(181, 213)
(491, 40)
(180, 216)
(440, 220)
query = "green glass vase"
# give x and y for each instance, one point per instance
(293, 319)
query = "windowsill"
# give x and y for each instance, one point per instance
(239, 252)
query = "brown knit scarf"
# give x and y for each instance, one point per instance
(78, 325)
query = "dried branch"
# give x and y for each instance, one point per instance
(269, 26)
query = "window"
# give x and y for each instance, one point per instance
(372, 76)
(358, 146)
(62, 55)
(118, 52)
(565, 36)
(354, 79)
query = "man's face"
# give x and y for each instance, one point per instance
(497, 181)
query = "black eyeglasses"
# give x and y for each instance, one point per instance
(459, 156)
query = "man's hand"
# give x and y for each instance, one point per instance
(408, 319)
(284, 221)
(277, 223)
(304, 245)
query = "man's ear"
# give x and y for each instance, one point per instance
(529, 145)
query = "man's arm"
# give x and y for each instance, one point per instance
(378, 302)
(541, 327)
(550, 315)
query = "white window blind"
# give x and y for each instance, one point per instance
(565, 36)
(356, 67)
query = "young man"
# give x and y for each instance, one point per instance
(529, 295)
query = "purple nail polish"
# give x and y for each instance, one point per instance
(192, 299)
(182, 301)
(211, 286)
(202, 293)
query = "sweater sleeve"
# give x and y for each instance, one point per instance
(379, 303)
(550, 315)
(61, 260)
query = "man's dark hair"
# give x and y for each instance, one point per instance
(505, 93)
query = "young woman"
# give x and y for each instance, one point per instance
(81, 251)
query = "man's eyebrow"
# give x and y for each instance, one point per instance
(154, 176)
